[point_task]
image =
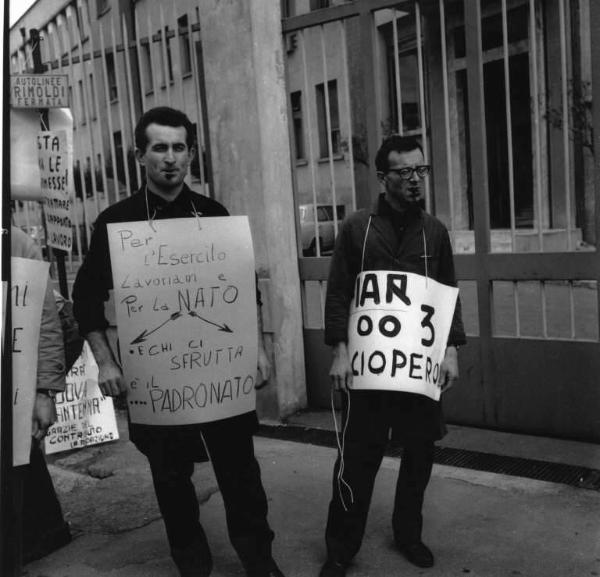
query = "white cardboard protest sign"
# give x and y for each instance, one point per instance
(55, 158)
(28, 287)
(398, 330)
(24, 158)
(185, 302)
(84, 415)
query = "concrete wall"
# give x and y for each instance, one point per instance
(248, 125)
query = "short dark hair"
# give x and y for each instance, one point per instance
(164, 116)
(394, 143)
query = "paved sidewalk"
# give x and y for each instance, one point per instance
(478, 524)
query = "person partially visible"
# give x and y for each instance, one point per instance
(44, 527)
(396, 235)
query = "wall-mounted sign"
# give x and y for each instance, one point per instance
(185, 302)
(398, 330)
(39, 91)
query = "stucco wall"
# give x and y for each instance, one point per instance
(248, 127)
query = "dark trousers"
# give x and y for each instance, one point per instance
(44, 528)
(366, 438)
(238, 477)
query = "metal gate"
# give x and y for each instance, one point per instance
(500, 95)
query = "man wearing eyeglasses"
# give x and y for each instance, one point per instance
(397, 235)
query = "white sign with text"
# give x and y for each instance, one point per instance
(55, 163)
(398, 330)
(84, 415)
(185, 302)
(28, 288)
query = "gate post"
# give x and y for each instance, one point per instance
(248, 126)
(479, 172)
(595, 58)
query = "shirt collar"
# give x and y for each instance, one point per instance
(384, 209)
(182, 201)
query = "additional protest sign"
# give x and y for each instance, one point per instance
(39, 91)
(24, 151)
(55, 161)
(84, 416)
(28, 287)
(185, 301)
(398, 329)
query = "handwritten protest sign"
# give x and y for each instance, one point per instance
(27, 290)
(55, 160)
(84, 416)
(185, 301)
(398, 329)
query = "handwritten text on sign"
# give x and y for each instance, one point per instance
(84, 416)
(185, 301)
(54, 160)
(27, 290)
(398, 330)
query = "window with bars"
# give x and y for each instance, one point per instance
(94, 102)
(148, 74)
(102, 6)
(333, 117)
(83, 14)
(112, 77)
(319, 4)
(166, 58)
(185, 54)
(296, 101)
(82, 102)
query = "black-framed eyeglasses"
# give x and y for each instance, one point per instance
(406, 173)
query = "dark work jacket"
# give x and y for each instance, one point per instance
(394, 242)
(91, 291)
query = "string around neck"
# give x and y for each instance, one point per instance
(362, 260)
(150, 218)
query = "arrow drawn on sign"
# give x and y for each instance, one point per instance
(222, 327)
(144, 334)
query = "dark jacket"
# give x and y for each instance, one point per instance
(394, 242)
(91, 291)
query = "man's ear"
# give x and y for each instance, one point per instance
(192, 153)
(139, 156)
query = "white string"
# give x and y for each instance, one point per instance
(150, 218)
(195, 212)
(362, 260)
(425, 256)
(341, 446)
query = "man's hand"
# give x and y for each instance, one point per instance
(264, 368)
(110, 376)
(449, 369)
(341, 370)
(110, 379)
(44, 416)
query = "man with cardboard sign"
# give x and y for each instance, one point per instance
(393, 319)
(189, 352)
